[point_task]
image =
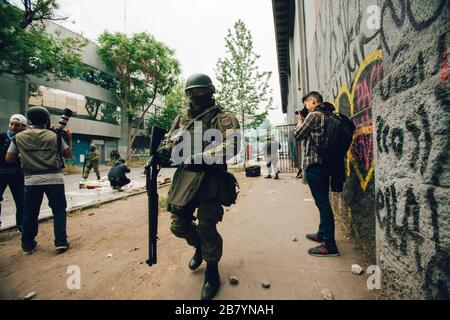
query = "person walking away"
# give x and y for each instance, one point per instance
(40, 151)
(10, 173)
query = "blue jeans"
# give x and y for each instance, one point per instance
(15, 183)
(56, 201)
(318, 178)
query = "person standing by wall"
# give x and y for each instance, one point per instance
(317, 174)
(40, 151)
(10, 173)
(271, 148)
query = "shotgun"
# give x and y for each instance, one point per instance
(151, 173)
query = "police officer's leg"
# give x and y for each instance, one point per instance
(269, 169)
(209, 214)
(182, 225)
(88, 170)
(3, 185)
(96, 171)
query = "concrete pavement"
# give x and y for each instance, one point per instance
(78, 198)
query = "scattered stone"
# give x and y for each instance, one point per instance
(134, 249)
(357, 269)
(294, 239)
(109, 255)
(265, 284)
(233, 280)
(30, 296)
(91, 214)
(327, 294)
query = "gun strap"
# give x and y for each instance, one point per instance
(190, 123)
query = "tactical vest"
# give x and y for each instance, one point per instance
(38, 149)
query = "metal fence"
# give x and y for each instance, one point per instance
(289, 152)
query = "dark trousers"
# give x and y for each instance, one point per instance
(15, 184)
(318, 178)
(33, 200)
(119, 182)
(204, 234)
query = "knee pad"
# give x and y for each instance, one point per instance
(207, 230)
(182, 230)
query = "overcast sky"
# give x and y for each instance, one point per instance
(195, 29)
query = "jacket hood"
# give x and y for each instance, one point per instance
(326, 106)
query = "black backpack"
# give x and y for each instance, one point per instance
(337, 137)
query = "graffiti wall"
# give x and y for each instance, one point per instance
(412, 120)
(393, 81)
(348, 65)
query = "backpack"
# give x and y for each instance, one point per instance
(253, 171)
(337, 137)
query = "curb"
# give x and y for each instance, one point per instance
(90, 205)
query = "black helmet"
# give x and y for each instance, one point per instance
(199, 80)
(38, 115)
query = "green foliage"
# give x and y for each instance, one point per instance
(145, 68)
(175, 102)
(25, 47)
(243, 89)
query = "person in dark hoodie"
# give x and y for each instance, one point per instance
(317, 172)
(117, 175)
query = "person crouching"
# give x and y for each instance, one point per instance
(117, 175)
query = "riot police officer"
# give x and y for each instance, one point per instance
(197, 185)
(92, 160)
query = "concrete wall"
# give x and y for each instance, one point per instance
(411, 123)
(344, 64)
(393, 83)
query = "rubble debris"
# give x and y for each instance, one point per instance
(134, 249)
(294, 239)
(265, 284)
(30, 296)
(327, 294)
(109, 255)
(357, 269)
(233, 280)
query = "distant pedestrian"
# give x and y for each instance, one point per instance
(271, 148)
(117, 175)
(10, 173)
(92, 160)
(40, 151)
(317, 174)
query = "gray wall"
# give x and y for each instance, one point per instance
(393, 83)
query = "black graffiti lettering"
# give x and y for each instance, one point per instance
(397, 139)
(415, 131)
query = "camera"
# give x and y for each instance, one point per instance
(304, 112)
(67, 113)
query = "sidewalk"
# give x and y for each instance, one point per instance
(257, 233)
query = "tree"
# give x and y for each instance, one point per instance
(175, 102)
(243, 89)
(26, 48)
(145, 68)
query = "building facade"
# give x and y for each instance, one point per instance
(97, 117)
(384, 64)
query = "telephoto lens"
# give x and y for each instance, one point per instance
(67, 113)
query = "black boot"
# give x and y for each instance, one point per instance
(196, 259)
(212, 281)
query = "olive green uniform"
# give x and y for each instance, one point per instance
(191, 190)
(92, 160)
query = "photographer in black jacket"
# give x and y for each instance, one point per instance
(117, 176)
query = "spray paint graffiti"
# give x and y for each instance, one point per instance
(357, 104)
